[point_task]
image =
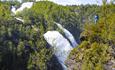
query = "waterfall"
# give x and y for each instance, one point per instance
(68, 35)
(61, 46)
(58, 42)
(25, 5)
(22, 7)
(13, 9)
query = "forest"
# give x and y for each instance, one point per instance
(23, 47)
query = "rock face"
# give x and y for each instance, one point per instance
(110, 65)
(61, 46)
(72, 64)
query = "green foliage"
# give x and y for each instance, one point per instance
(72, 18)
(93, 53)
(23, 47)
(4, 11)
(39, 58)
(95, 57)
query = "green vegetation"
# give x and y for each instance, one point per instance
(71, 17)
(98, 43)
(4, 11)
(22, 46)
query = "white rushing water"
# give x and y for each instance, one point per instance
(22, 7)
(19, 19)
(61, 46)
(13, 9)
(25, 5)
(68, 35)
